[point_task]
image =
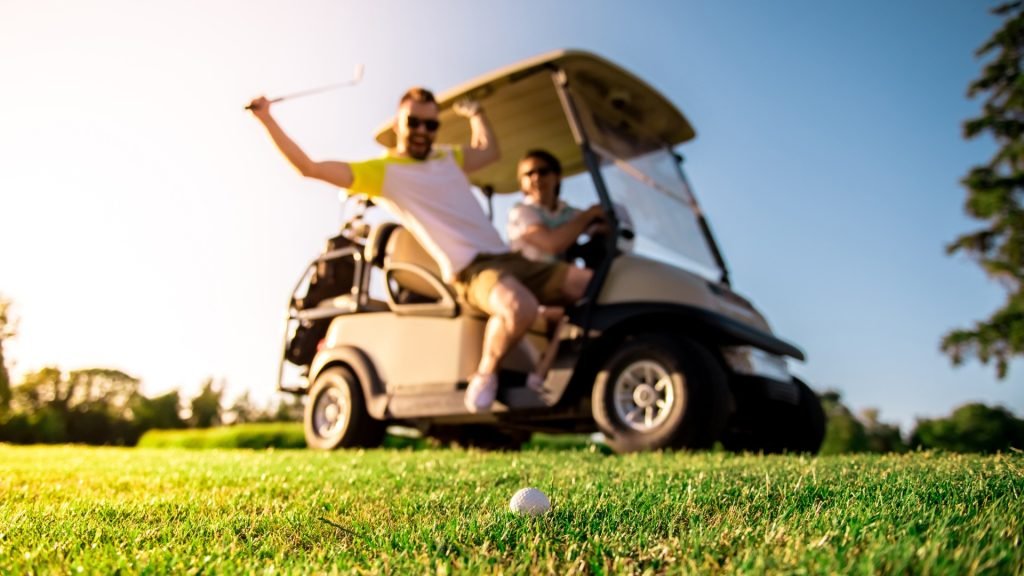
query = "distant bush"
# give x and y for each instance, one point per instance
(254, 436)
(971, 428)
(846, 433)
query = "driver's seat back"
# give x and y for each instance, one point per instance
(409, 267)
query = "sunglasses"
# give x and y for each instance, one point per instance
(542, 171)
(413, 123)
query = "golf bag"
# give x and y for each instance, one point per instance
(332, 276)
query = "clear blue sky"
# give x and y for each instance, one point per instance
(147, 223)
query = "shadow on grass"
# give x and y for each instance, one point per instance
(290, 436)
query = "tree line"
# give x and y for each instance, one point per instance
(105, 407)
(972, 427)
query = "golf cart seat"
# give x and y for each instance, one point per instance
(376, 243)
(412, 278)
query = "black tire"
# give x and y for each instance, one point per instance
(811, 428)
(770, 424)
(335, 414)
(676, 387)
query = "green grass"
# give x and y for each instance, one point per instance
(101, 510)
(257, 436)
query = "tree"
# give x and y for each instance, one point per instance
(162, 412)
(8, 330)
(92, 389)
(91, 406)
(971, 428)
(206, 408)
(882, 438)
(243, 410)
(103, 389)
(994, 196)
(843, 432)
(286, 408)
(44, 388)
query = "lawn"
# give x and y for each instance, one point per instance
(69, 509)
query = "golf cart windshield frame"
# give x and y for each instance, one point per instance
(593, 155)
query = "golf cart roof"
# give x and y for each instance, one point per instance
(525, 111)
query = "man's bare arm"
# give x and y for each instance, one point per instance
(483, 146)
(558, 239)
(337, 173)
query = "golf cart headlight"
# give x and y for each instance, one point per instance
(756, 362)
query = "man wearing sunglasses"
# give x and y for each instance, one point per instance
(543, 227)
(427, 189)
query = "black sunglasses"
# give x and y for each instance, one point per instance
(413, 123)
(542, 171)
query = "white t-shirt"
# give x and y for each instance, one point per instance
(434, 200)
(529, 213)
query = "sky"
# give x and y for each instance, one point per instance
(148, 224)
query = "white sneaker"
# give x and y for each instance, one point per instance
(481, 392)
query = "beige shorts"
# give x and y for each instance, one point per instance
(544, 279)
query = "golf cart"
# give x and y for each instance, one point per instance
(660, 352)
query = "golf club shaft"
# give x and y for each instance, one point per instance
(357, 77)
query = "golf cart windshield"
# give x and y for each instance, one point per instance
(646, 184)
(659, 204)
(631, 129)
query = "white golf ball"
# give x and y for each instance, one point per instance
(529, 501)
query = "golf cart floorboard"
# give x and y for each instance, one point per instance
(453, 403)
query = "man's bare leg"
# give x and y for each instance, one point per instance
(575, 284)
(556, 314)
(573, 288)
(513, 311)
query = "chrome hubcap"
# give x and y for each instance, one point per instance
(644, 396)
(331, 413)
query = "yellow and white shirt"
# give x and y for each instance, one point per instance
(433, 199)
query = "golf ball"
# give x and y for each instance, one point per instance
(529, 501)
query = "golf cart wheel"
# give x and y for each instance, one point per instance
(660, 391)
(336, 416)
(808, 430)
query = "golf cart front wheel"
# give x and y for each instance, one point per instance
(336, 416)
(659, 391)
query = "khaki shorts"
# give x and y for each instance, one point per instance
(543, 279)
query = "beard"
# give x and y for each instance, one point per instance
(419, 148)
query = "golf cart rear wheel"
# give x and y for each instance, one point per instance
(659, 391)
(336, 416)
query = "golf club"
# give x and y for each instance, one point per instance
(356, 78)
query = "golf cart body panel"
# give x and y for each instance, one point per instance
(419, 353)
(661, 352)
(637, 279)
(701, 322)
(639, 286)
